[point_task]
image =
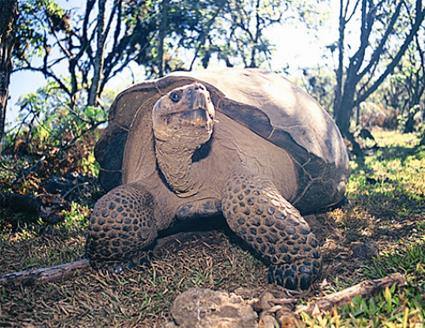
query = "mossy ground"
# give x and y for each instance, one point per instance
(387, 208)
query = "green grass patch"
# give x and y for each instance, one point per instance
(387, 195)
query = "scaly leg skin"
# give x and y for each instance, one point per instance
(121, 225)
(256, 212)
(199, 209)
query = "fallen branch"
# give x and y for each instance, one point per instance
(53, 273)
(345, 296)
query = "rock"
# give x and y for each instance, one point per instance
(264, 303)
(287, 318)
(364, 250)
(205, 308)
(267, 321)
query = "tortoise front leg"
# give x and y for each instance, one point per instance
(121, 225)
(256, 211)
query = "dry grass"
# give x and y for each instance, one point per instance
(387, 208)
(92, 299)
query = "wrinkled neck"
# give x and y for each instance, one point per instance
(175, 160)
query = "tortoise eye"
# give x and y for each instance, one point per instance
(175, 96)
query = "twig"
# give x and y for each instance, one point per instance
(345, 296)
(53, 273)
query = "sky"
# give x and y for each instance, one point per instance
(295, 46)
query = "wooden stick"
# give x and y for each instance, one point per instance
(345, 296)
(53, 273)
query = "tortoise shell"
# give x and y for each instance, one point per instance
(266, 103)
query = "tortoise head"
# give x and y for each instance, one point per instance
(185, 114)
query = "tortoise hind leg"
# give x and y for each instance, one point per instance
(256, 211)
(121, 225)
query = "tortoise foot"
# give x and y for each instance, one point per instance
(256, 212)
(121, 227)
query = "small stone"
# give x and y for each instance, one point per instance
(267, 321)
(287, 318)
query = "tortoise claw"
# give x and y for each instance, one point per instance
(291, 279)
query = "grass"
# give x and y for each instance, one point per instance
(386, 210)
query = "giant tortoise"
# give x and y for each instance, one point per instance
(242, 142)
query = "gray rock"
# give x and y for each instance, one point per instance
(205, 308)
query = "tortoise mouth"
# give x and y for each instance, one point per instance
(198, 117)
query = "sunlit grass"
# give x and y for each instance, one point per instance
(389, 189)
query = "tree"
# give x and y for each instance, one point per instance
(404, 90)
(7, 41)
(247, 22)
(413, 82)
(52, 38)
(380, 24)
(319, 82)
(157, 35)
(230, 30)
(80, 50)
(98, 59)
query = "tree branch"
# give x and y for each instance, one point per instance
(368, 17)
(46, 73)
(98, 60)
(419, 17)
(53, 273)
(378, 50)
(352, 13)
(203, 34)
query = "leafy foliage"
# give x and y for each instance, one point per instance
(51, 130)
(49, 155)
(318, 82)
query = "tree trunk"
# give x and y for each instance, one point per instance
(161, 36)
(414, 108)
(339, 71)
(8, 14)
(410, 123)
(344, 111)
(99, 60)
(345, 107)
(253, 63)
